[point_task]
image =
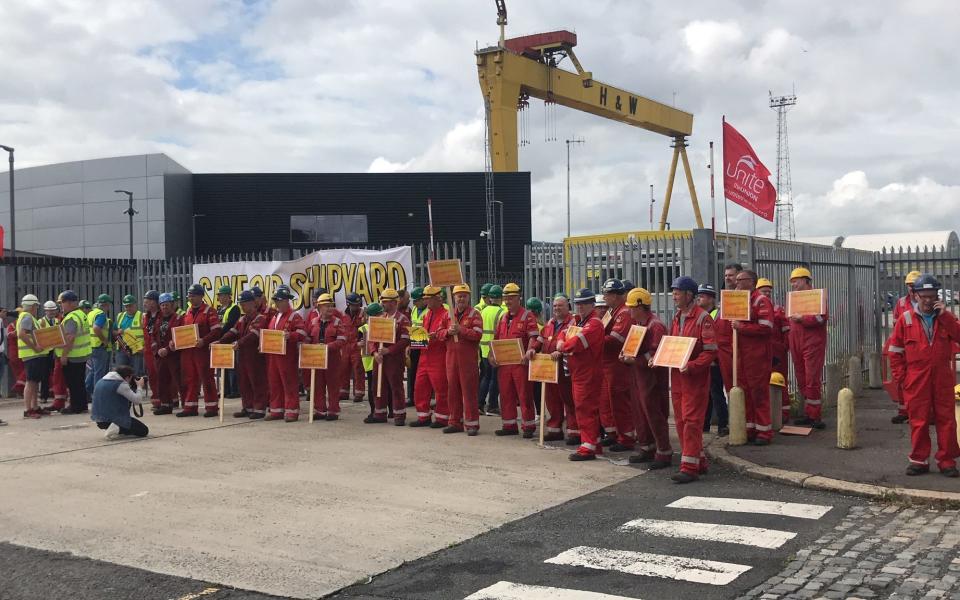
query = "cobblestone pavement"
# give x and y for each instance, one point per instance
(877, 551)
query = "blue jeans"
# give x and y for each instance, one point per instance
(97, 366)
(717, 401)
(489, 388)
(135, 361)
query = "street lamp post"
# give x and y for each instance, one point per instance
(573, 141)
(129, 212)
(13, 228)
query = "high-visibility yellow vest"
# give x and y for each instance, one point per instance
(81, 344)
(226, 314)
(491, 316)
(95, 341)
(134, 327)
(365, 358)
(416, 320)
(24, 350)
(480, 306)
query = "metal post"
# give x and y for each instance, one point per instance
(652, 201)
(13, 223)
(573, 141)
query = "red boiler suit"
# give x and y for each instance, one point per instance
(333, 333)
(167, 383)
(512, 379)
(922, 360)
(463, 376)
(195, 362)
(691, 390)
(723, 330)
(618, 379)
(393, 366)
(808, 350)
(755, 365)
(252, 366)
(652, 390)
(282, 368)
(351, 364)
(585, 352)
(149, 358)
(432, 369)
(560, 395)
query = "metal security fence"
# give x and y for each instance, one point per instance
(942, 262)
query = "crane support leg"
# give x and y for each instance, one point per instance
(502, 95)
(669, 194)
(693, 191)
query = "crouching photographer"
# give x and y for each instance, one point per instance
(113, 397)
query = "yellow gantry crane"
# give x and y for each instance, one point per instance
(523, 67)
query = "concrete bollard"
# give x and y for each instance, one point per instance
(776, 407)
(832, 383)
(875, 368)
(855, 376)
(738, 417)
(846, 420)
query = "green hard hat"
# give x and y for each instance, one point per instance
(104, 298)
(176, 296)
(225, 289)
(128, 299)
(485, 289)
(535, 305)
(417, 293)
(373, 309)
(85, 304)
(495, 291)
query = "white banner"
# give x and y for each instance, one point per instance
(364, 272)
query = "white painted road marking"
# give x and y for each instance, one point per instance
(651, 565)
(742, 505)
(504, 590)
(712, 532)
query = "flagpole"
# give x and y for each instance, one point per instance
(713, 199)
(726, 212)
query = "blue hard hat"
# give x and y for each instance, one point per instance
(706, 288)
(613, 286)
(166, 297)
(926, 281)
(246, 296)
(152, 295)
(585, 296)
(257, 292)
(354, 299)
(195, 290)
(628, 285)
(69, 296)
(684, 284)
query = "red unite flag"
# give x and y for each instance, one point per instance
(745, 180)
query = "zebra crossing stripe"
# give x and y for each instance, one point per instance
(652, 565)
(505, 590)
(744, 505)
(711, 532)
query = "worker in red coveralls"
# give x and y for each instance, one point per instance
(559, 395)
(904, 304)
(432, 368)
(195, 362)
(151, 310)
(251, 365)
(309, 319)
(351, 363)
(808, 350)
(615, 403)
(921, 356)
(780, 338)
(755, 354)
(691, 384)
(724, 330)
(329, 329)
(521, 324)
(463, 354)
(650, 391)
(391, 356)
(18, 375)
(167, 382)
(584, 352)
(282, 376)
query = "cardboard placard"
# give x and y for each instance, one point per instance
(221, 356)
(49, 337)
(445, 273)
(313, 356)
(507, 352)
(544, 369)
(674, 351)
(794, 430)
(631, 346)
(134, 343)
(735, 305)
(806, 303)
(185, 336)
(382, 330)
(272, 341)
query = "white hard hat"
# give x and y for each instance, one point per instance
(29, 299)
(49, 305)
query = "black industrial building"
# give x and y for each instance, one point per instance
(262, 211)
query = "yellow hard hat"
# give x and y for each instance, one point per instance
(389, 294)
(801, 272)
(325, 299)
(461, 289)
(638, 296)
(777, 379)
(956, 392)
(511, 289)
(430, 291)
(911, 277)
(764, 282)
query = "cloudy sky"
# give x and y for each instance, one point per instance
(377, 85)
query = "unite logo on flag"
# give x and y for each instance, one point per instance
(745, 179)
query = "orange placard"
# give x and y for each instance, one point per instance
(185, 336)
(221, 356)
(631, 346)
(445, 273)
(606, 318)
(382, 330)
(313, 356)
(507, 352)
(49, 337)
(806, 303)
(542, 368)
(272, 341)
(735, 305)
(674, 351)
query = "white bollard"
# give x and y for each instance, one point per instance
(737, 411)
(846, 420)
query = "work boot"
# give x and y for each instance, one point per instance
(608, 441)
(437, 425)
(256, 415)
(43, 411)
(399, 422)
(319, 416)
(950, 472)
(581, 455)
(188, 413)
(642, 457)
(761, 442)
(898, 419)
(333, 417)
(528, 434)
(493, 411)
(358, 398)
(161, 410)
(31, 414)
(684, 477)
(291, 419)
(573, 440)
(618, 447)
(210, 413)
(373, 419)
(270, 417)
(723, 431)
(241, 414)
(915, 469)
(818, 424)
(419, 423)
(503, 432)
(553, 436)
(661, 463)
(452, 429)
(473, 432)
